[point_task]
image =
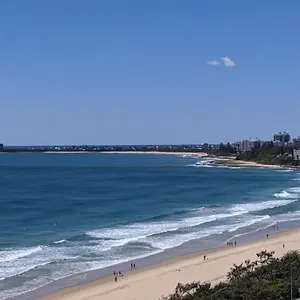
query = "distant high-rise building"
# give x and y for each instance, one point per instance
(296, 142)
(246, 145)
(1, 147)
(282, 137)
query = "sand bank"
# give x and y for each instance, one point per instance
(151, 283)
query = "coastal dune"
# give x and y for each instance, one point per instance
(151, 283)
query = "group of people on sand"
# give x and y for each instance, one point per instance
(132, 266)
(119, 274)
(231, 243)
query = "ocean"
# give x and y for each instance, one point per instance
(63, 214)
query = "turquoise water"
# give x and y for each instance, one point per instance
(61, 214)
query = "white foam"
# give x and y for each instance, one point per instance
(11, 255)
(159, 242)
(59, 242)
(205, 166)
(250, 222)
(64, 270)
(258, 206)
(121, 235)
(215, 159)
(15, 262)
(201, 165)
(131, 232)
(207, 162)
(253, 231)
(149, 232)
(295, 190)
(285, 195)
(291, 216)
(177, 240)
(285, 170)
(190, 156)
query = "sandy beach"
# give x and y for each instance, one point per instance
(242, 163)
(151, 283)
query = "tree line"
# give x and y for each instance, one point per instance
(270, 154)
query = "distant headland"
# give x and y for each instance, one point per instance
(108, 149)
(281, 151)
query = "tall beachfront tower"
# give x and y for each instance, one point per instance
(282, 138)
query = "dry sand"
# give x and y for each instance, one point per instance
(232, 162)
(151, 283)
(242, 163)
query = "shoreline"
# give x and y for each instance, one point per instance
(62, 287)
(151, 282)
(252, 164)
(246, 164)
(191, 154)
(223, 160)
(80, 281)
(198, 154)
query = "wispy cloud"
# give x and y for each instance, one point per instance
(228, 62)
(213, 62)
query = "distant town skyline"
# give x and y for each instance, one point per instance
(279, 138)
(158, 72)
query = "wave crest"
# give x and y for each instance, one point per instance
(285, 195)
(259, 206)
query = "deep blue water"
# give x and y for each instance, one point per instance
(61, 214)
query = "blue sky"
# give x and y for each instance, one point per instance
(137, 72)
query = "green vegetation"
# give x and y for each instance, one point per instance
(267, 278)
(226, 150)
(270, 154)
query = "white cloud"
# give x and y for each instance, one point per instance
(213, 62)
(228, 62)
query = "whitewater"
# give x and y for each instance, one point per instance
(66, 214)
